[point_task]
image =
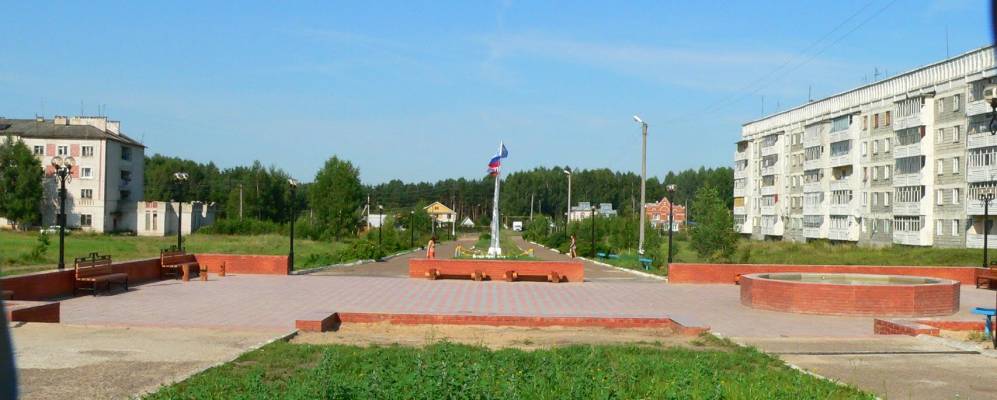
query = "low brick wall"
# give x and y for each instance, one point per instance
(245, 264)
(571, 271)
(727, 273)
(55, 284)
(914, 300)
(32, 311)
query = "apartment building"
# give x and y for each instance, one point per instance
(898, 161)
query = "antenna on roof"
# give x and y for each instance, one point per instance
(81, 107)
(810, 93)
(946, 41)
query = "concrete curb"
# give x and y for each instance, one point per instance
(151, 390)
(632, 271)
(959, 345)
(350, 264)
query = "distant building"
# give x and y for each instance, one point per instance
(658, 213)
(584, 210)
(467, 223)
(375, 220)
(441, 213)
(105, 190)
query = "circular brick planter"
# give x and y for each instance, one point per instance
(850, 294)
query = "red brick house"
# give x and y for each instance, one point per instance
(657, 214)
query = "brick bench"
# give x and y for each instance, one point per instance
(507, 270)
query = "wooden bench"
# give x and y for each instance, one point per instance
(6, 295)
(94, 270)
(176, 263)
(986, 277)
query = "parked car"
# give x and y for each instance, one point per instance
(52, 229)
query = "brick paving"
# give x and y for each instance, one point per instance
(274, 302)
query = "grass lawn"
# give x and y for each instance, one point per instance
(509, 248)
(445, 370)
(15, 246)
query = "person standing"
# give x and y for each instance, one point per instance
(573, 248)
(431, 248)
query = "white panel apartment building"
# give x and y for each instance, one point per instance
(899, 161)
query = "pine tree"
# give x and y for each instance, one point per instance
(712, 233)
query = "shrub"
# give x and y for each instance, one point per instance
(247, 226)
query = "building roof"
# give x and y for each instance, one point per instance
(438, 208)
(48, 129)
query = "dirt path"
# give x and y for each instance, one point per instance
(398, 266)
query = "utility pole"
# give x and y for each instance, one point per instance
(643, 180)
(240, 202)
(531, 206)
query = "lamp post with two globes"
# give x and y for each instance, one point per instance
(63, 172)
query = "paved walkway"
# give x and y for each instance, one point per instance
(274, 302)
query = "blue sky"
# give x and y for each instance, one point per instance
(425, 90)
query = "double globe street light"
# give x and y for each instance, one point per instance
(63, 172)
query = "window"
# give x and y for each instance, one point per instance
(125, 194)
(86, 193)
(940, 105)
(875, 147)
(86, 172)
(62, 150)
(956, 133)
(886, 199)
(865, 199)
(86, 220)
(938, 227)
(126, 153)
(939, 135)
(864, 148)
(955, 196)
(939, 166)
(886, 172)
(875, 121)
(865, 122)
(955, 165)
(87, 151)
(939, 197)
(886, 145)
(955, 227)
(38, 150)
(955, 102)
(886, 118)
(875, 199)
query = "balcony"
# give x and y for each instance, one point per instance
(768, 210)
(981, 173)
(770, 150)
(981, 139)
(769, 190)
(843, 209)
(775, 230)
(842, 159)
(814, 209)
(976, 108)
(811, 139)
(815, 164)
(743, 227)
(975, 241)
(740, 210)
(813, 233)
(841, 135)
(740, 173)
(908, 150)
(842, 184)
(740, 155)
(910, 238)
(811, 187)
(909, 121)
(846, 234)
(975, 207)
(84, 202)
(739, 192)
(910, 208)
(908, 179)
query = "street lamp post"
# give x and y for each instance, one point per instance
(380, 225)
(63, 171)
(411, 228)
(593, 233)
(643, 179)
(179, 178)
(671, 218)
(567, 216)
(294, 186)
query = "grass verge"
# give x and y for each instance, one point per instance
(446, 370)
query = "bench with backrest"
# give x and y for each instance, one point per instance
(987, 277)
(176, 263)
(95, 271)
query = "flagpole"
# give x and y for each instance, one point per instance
(495, 249)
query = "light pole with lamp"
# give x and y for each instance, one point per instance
(63, 172)
(411, 228)
(179, 178)
(593, 233)
(643, 180)
(671, 218)
(294, 186)
(567, 216)
(990, 94)
(380, 224)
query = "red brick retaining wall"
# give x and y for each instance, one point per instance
(727, 273)
(32, 311)
(245, 264)
(842, 299)
(571, 271)
(54, 284)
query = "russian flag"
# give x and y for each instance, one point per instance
(496, 161)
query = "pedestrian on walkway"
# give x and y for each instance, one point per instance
(431, 248)
(573, 248)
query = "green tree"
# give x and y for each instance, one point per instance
(20, 184)
(712, 233)
(336, 195)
